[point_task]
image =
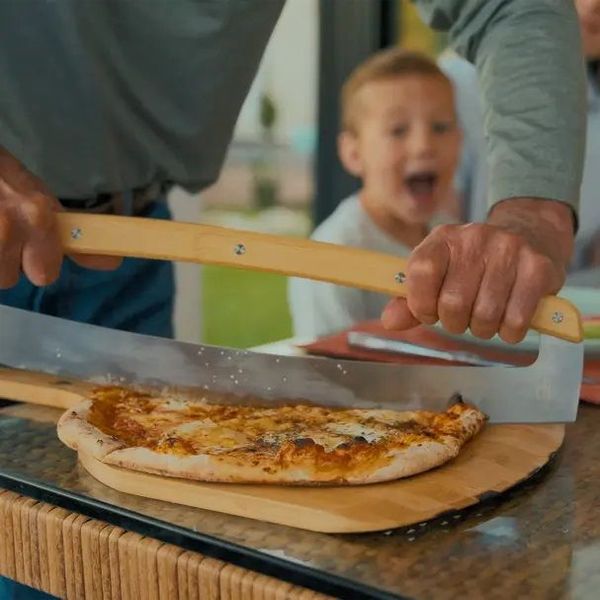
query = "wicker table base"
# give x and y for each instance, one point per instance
(73, 556)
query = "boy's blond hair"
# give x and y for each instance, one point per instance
(386, 64)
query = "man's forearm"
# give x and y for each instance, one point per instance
(547, 224)
(530, 68)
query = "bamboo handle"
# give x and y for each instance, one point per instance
(206, 244)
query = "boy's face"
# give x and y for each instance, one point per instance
(589, 17)
(405, 146)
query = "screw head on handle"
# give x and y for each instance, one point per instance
(400, 277)
(76, 233)
(558, 317)
(239, 249)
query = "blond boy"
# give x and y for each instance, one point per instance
(400, 137)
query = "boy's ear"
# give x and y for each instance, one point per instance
(349, 153)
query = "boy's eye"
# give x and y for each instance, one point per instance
(442, 126)
(399, 130)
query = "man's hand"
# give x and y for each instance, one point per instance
(29, 241)
(488, 277)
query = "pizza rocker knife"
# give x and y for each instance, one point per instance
(546, 391)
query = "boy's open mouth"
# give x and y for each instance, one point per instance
(422, 184)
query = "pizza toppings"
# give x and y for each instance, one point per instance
(298, 443)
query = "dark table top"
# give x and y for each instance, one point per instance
(541, 540)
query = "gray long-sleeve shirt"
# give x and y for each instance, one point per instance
(531, 71)
(103, 96)
(107, 95)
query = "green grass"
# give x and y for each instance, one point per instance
(243, 308)
(591, 331)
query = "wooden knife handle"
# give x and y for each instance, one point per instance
(207, 244)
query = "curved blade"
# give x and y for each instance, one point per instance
(547, 391)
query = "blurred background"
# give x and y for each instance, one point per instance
(282, 174)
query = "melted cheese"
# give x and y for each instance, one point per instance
(188, 427)
(173, 404)
(192, 428)
(355, 429)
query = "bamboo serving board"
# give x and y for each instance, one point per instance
(499, 458)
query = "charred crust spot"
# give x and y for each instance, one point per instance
(100, 442)
(304, 442)
(359, 439)
(456, 399)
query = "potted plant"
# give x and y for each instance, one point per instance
(266, 184)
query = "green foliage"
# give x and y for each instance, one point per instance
(268, 112)
(591, 330)
(244, 308)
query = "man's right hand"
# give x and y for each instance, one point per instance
(489, 276)
(29, 241)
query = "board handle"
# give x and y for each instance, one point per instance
(43, 389)
(207, 244)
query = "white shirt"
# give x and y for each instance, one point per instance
(319, 308)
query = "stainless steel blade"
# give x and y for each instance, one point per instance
(547, 391)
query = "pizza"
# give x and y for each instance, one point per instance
(299, 444)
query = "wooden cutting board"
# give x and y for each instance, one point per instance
(499, 458)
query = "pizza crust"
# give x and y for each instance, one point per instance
(75, 431)
(204, 467)
(295, 464)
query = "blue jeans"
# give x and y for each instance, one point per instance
(137, 297)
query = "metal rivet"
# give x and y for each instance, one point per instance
(400, 277)
(76, 233)
(558, 317)
(239, 249)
